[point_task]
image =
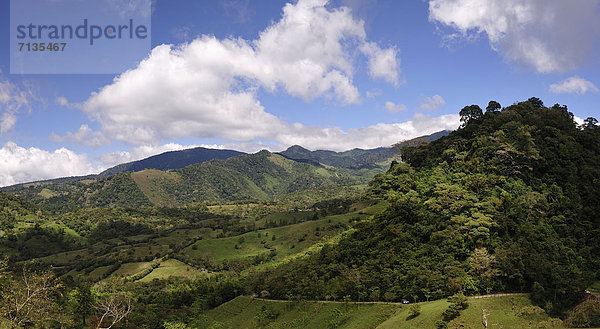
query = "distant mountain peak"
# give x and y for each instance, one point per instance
(173, 160)
(296, 148)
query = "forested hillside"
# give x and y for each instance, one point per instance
(509, 202)
(356, 158)
(260, 176)
(172, 160)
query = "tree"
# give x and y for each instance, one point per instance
(482, 264)
(112, 304)
(28, 299)
(493, 106)
(590, 123)
(536, 102)
(471, 112)
(81, 300)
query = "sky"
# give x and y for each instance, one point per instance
(268, 74)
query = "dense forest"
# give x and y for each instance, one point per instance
(508, 202)
(260, 176)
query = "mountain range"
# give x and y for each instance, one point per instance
(197, 175)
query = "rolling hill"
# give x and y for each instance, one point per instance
(259, 176)
(196, 175)
(172, 160)
(355, 158)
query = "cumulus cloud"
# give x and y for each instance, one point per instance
(19, 164)
(84, 136)
(383, 63)
(549, 35)
(381, 134)
(207, 88)
(573, 85)
(432, 103)
(392, 107)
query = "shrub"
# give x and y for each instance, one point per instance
(586, 315)
(414, 311)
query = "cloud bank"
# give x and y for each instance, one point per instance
(19, 164)
(548, 35)
(207, 88)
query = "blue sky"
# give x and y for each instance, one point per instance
(248, 75)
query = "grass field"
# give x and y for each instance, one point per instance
(98, 272)
(244, 312)
(285, 240)
(146, 181)
(502, 312)
(131, 269)
(508, 312)
(169, 268)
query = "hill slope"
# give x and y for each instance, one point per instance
(507, 203)
(259, 176)
(355, 158)
(172, 160)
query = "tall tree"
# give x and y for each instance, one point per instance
(81, 300)
(590, 123)
(112, 305)
(536, 102)
(468, 113)
(493, 106)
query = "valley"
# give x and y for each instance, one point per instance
(398, 237)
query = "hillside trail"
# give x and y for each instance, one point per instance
(385, 303)
(499, 295)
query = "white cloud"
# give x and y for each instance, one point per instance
(84, 136)
(207, 88)
(432, 103)
(383, 63)
(573, 85)
(373, 93)
(18, 164)
(7, 122)
(381, 134)
(62, 101)
(550, 35)
(126, 8)
(12, 101)
(141, 152)
(392, 107)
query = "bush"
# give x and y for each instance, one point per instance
(451, 313)
(414, 311)
(458, 303)
(586, 315)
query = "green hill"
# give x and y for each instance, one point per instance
(355, 158)
(501, 312)
(507, 203)
(172, 160)
(260, 176)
